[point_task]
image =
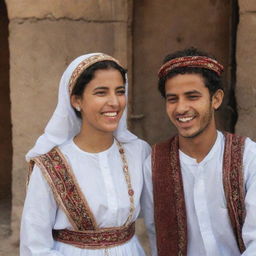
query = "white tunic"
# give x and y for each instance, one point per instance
(101, 179)
(209, 229)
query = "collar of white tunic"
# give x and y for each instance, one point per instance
(219, 143)
(74, 146)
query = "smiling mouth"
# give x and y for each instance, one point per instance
(110, 114)
(185, 119)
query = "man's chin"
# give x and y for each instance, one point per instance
(190, 135)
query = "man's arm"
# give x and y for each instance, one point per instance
(249, 227)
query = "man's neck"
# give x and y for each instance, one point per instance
(199, 146)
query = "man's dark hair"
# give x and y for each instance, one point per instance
(88, 74)
(211, 79)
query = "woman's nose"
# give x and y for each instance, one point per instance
(113, 100)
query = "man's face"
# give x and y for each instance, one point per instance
(189, 104)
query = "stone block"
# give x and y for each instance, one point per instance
(247, 6)
(246, 62)
(246, 125)
(40, 52)
(95, 10)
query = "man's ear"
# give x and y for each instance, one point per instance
(217, 99)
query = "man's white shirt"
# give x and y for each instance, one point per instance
(208, 225)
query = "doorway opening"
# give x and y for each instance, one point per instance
(161, 27)
(5, 126)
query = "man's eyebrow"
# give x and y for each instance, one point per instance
(192, 92)
(170, 95)
(185, 93)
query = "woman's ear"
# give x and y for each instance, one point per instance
(75, 102)
(217, 99)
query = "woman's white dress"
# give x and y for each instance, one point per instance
(101, 179)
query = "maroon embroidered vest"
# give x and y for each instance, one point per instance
(67, 193)
(169, 201)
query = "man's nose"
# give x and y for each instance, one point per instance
(182, 106)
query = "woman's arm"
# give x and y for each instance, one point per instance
(38, 218)
(148, 205)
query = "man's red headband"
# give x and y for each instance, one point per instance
(191, 61)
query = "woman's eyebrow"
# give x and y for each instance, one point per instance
(120, 87)
(101, 88)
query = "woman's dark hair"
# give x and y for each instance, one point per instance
(88, 74)
(212, 79)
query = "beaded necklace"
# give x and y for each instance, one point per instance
(129, 186)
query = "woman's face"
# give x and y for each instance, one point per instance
(102, 102)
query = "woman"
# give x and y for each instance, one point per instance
(84, 191)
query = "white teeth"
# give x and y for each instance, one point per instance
(110, 114)
(185, 119)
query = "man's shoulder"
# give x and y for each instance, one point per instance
(164, 143)
(161, 151)
(247, 144)
(247, 141)
(250, 146)
(232, 135)
(234, 140)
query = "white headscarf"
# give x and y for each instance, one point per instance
(64, 124)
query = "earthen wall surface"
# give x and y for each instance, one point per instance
(162, 27)
(246, 64)
(44, 37)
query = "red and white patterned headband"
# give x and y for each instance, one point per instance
(191, 61)
(85, 64)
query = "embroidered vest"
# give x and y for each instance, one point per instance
(67, 193)
(169, 201)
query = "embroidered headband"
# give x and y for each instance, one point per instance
(191, 61)
(84, 65)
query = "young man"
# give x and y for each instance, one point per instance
(202, 181)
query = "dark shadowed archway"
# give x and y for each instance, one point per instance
(161, 27)
(5, 124)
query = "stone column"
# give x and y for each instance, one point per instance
(246, 68)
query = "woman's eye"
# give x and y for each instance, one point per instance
(120, 92)
(100, 93)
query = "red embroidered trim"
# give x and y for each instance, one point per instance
(66, 190)
(179, 196)
(234, 184)
(96, 239)
(169, 196)
(191, 61)
(69, 196)
(169, 202)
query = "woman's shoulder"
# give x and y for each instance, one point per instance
(138, 146)
(66, 147)
(137, 143)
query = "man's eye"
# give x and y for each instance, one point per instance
(193, 97)
(171, 100)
